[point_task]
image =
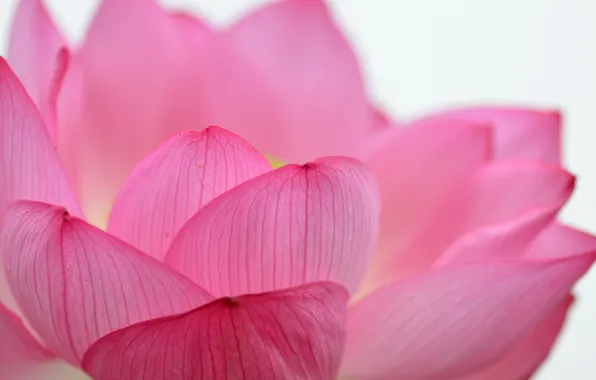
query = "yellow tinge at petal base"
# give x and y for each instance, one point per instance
(275, 163)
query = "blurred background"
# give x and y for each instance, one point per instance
(426, 55)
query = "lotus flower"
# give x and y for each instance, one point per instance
(436, 254)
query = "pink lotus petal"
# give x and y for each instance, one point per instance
(521, 134)
(17, 347)
(487, 204)
(525, 359)
(34, 54)
(418, 168)
(174, 182)
(138, 84)
(454, 320)
(559, 240)
(294, 225)
(53, 370)
(509, 239)
(75, 283)
(29, 165)
(296, 333)
(285, 79)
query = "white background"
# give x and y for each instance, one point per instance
(425, 54)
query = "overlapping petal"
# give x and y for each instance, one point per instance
(296, 333)
(174, 182)
(294, 225)
(418, 168)
(285, 79)
(37, 54)
(75, 283)
(519, 133)
(138, 85)
(521, 362)
(455, 320)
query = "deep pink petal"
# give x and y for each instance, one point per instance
(75, 283)
(17, 346)
(137, 84)
(454, 320)
(418, 167)
(521, 134)
(34, 54)
(526, 357)
(559, 240)
(294, 225)
(170, 185)
(285, 79)
(296, 333)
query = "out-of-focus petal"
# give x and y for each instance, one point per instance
(170, 185)
(294, 225)
(17, 347)
(138, 85)
(558, 240)
(454, 320)
(285, 79)
(296, 333)
(521, 134)
(526, 358)
(488, 204)
(52, 370)
(418, 167)
(29, 164)
(503, 208)
(75, 283)
(34, 54)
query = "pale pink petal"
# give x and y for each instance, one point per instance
(418, 167)
(381, 119)
(521, 362)
(29, 165)
(52, 370)
(296, 333)
(526, 134)
(138, 84)
(34, 54)
(17, 346)
(174, 182)
(285, 79)
(558, 240)
(509, 239)
(454, 320)
(75, 283)
(486, 205)
(294, 225)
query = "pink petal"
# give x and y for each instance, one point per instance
(521, 362)
(418, 167)
(174, 182)
(496, 199)
(75, 283)
(454, 320)
(34, 54)
(54, 370)
(29, 165)
(138, 85)
(289, 334)
(285, 79)
(17, 347)
(509, 239)
(294, 225)
(559, 240)
(522, 134)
